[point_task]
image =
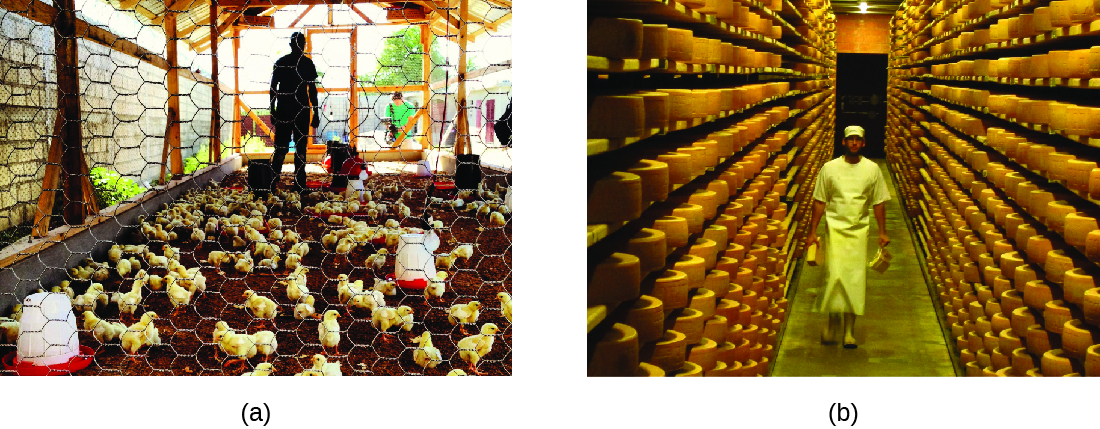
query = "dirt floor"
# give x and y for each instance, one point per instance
(188, 347)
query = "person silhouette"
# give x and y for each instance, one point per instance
(293, 93)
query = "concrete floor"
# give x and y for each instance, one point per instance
(898, 335)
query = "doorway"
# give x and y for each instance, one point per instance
(861, 81)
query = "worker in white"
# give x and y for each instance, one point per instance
(846, 189)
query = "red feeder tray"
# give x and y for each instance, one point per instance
(76, 363)
(420, 284)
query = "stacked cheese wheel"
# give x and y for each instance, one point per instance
(1002, 181)
(690, 225)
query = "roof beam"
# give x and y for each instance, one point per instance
(361, 14)
(492, 25)
(299, 18)
(235, 3)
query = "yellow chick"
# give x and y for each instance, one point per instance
(265, 343)
(496, 219)
(9, 331)
(128, 302)
(220, 329)
(437, 286)
(64, 288)
(293, 261)
(198, 235)
(237, 346)
(295, 288)
(305, 309)
(376, 261)
(505, 305)
(262, 370)
(260, 306)
(272, 263)
(103, 331)
(178, 295)
(383, 318)
(405, 313)
(274, 223)
(329, 330)
(387, 287)
(291, 237)
(326, 368)
(464, 313)
(124, 267)
(456, 372)
(154, 281)
(345, 290)
(140, 334)
(427, 356)
(444, 261)
(156, 261)
(345, 245)
(115, 253)
(239, 242)
(369, 299)
(464, 251)
(471, 349)
(244, 265)
(90, 298)
(218, 257)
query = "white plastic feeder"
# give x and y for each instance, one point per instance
(415, 260)
(47, 331)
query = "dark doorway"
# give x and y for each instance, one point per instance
(861, 99)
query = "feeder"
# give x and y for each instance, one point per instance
(48, 343)
(415, 260)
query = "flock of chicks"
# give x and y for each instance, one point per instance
(235, 214)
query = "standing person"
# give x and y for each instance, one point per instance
(847, 187)
(294, 87)
(398, 112)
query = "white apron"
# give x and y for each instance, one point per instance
(847, 215)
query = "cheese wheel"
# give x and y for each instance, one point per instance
(718, 281)
(1061, 13)
(646, 316)
(1056, 364)
(671, 288)
(616, 116)
(1056, 266)
(681, 104)
(1082, 11)
(681, 44)
(1078, 172)
(1022, 362)
(1021, 319)
(675, 229)
(655, 41)
(615, 38)
(1077, 226)
(1077, 337)
(1056, 215)
(669, 352)
(1076, 282)
(679, 167)
(656, 109)
(651, 248)
(1040, 20)
(698, 159)
(690, 322)
(1091, 306)
(615, 198)
(701, 51)
(704, 354)
(648, 370)
(706, 249)
(720, 235)
(655, 179)
(694, 267)
(616, 279)
(616, 354)
(1055, 315)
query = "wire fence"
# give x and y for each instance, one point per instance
(132, 188)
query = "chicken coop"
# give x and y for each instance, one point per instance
(162, 180)
(711, 125)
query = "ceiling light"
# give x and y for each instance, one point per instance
(863, 7)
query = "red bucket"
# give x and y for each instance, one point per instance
(76, 363)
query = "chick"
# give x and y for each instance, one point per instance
(274, 223)
(140, 334)
(237, 347)
(464, 313)
(427, 356)
(376, 261)
(444, 261)
(496, 219)
(217, 257)
(272, 263)
(178, 295)
(305, 309)
(211, 226)
(103, 331)
(244, 265)
(464, 251)
(260, 306)
(471, 349)
(239, 242)
(265, 343)
(220, 329)
(90, 298)
(198, 235)
(124, 267)
(328, 240)
(406, 314)
(154, 281)
(293, 261)
(156, 261)
(114, 254)
(329, 330)
(9, 332)
(456, 372)
(322, 366)
(505, 305)
(301, 249)
(295, 288)
(345, 290)
(392, 223)
(345, 245)
(369, 299)
(437, 286)
(384, 318)
(64, 288)
(291, 237)
(263, 369)
(128, 302)
(387, 287)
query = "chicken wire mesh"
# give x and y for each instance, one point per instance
(189, 270)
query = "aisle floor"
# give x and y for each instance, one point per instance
(898, 335)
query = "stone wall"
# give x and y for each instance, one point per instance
(122, 104)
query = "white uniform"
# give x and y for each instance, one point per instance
(849, 192)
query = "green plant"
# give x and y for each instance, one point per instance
(110, 187)
(252, 143)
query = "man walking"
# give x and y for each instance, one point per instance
(294, 87)
(847, 187)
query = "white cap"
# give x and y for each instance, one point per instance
(853, 130)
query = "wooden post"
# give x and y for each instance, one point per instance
(353, 117)
(462, 126)
(215, 152)
(73, 165)
(237, 88)
(172, 134)
(426, 120)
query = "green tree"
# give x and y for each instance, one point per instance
(401, 60)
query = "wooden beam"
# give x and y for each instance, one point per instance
(303, 15)
(404, 131)
(330, 15)
(255, 118)
(73, 165)
(502, 3)
(42, 13)
(236, 87)
(215, 152)
(50, 181)
(360, 13)
(491, 25)
(172, 135)
(453, 21)
(271, 11)
(426, 68)
(462, 126)
(353, 96)
(204, 43)
(235, 3)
